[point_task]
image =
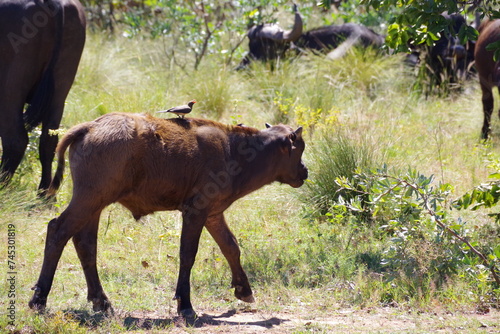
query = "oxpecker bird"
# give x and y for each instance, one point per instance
(181, 110)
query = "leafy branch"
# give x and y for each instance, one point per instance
(210, 27)
(426, 202)
(416, 191)
(421, 21)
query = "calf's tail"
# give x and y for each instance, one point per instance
(68, 139)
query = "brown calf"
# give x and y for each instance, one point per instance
(487, 68)
(196, 166)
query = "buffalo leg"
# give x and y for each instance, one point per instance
(14, 143)
(487, 99)
(85, 243)
(48, 141)
(47, 150)
(12, 131)
(219, 230)
(192, 225)
(59, 231)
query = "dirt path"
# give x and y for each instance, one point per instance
(382, 320)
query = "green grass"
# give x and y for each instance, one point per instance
(336, 156)
(290, 257)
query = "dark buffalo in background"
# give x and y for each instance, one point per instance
(448, 60)
(342, 36)
(488, 69)
(269, 42)
(41, 42)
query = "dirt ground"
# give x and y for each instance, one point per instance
(381, 320)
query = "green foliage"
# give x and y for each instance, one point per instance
(412, 23)
(415, 212)
(496, 48)
(200, 28)
(287, 109)
(335, 160)
(354, 11)
(219, 27)
(486, 194)
(30, 159)
(421, 21)
(424, 246)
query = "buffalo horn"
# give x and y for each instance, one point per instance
(294, 34)
(273, 31)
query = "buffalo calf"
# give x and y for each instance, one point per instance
(196, 166)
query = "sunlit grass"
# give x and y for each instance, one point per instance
(290, 257)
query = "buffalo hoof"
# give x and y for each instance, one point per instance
(248, 299)
(188, 314)
(102, 305)
(37, 303)
(241, 294)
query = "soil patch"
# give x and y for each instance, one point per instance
(382, 320)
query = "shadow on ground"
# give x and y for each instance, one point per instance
(147, 322)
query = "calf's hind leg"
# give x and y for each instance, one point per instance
(85, 243)
(59, 231)
(219, 230)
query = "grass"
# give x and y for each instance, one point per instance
(290, 257)
(334, 157)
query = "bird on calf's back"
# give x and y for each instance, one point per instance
(181, 110)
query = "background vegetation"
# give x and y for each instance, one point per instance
(376, 225)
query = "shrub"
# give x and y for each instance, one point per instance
(424, 243)
(335, 156)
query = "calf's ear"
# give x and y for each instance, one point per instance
(268, 125)
(298, 132)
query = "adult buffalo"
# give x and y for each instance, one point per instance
(269, 42)
(448, 60)
(196, 166)
(41, 42)
(337, 39)
(488, 69)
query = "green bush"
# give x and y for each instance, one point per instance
(423, 243)
(334, 156)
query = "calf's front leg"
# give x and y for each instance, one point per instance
(219, 230)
